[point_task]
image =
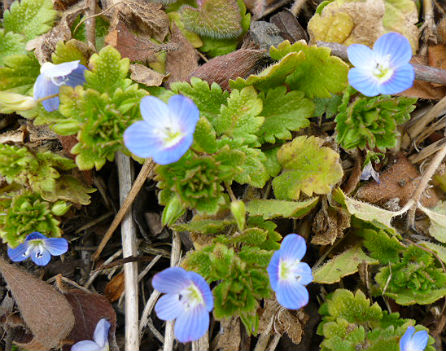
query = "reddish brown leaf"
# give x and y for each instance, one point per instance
(46, 312)
(115, 288)
(240, 63)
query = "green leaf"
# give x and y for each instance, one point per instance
(102, 29)
(69, 51)
(280, 208)
(283, 112)
(208, 99)
(317, 73)
(437, 215)
(214, 18)
(439, 249)
(69, 188)
(205, 139)
(327, 106)
(307, 167)
(19, 74)
(239, 117)
(205, 226)
(341, 266)
(29, 17)
(108, 71)
(368, 122)
(253, 170)
(272, 163)
(381, 246)
(10, 44)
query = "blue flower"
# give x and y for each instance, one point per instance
(368, 172)
(166, 132)
(383, 70)
(188, 299)
(39, 248)
(52, 77)
(288, 276)
(100, 338)
(414, 342)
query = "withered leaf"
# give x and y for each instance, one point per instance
(46, 312)
(240, 63)
(182, 60)
(145, 75)
(329, 224)
(230, 339)
(115, 288)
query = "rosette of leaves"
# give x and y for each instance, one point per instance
(416, 278)
(42, 172)
(369, 122)
(100, 111)
(22, 214)
(243, 282)
(350, 322)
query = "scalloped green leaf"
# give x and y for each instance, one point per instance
(205, 139)
(214, 18)
(317, 73)
(69, 51)
(71, 189)
(271, 76)
(10, 44)
(108, 71)
(439, 249)
(19, 74)
(208, 99)
(280, 208)
(253, 169)
(284, 112)
(239, 118)
(437, 216)
(308, 167)
(341, 266)
(29, 17)
(205, 226)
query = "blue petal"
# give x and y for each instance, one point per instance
(361, 56)
(101, 332)
(172, 280)
(40, 256)
(206, 293)
(56, 246)
(19, 253)
(169, 307)
(44, 87)
(35, 235)
(293, 247)
(362, 81)
(306, 275)
(405, 339)
(273, 270)
(77, 77)
(139, 139)
(154, 111)
(51, 70)
(402, 79)
(291, 295)
(164, 156)
(419, 340)
(185, 111)
(396, 46)
(192, 325)
(86, 345)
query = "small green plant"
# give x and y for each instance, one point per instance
(350, 322)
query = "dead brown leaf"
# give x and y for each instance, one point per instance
(398, 181)
(145, 75)
(240, 63)
(115, 288)
(230, 339)
(181, 61)
(290, 28)
(46, 312)
(329, 224)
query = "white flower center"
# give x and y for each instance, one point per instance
(170, 133)
(288, 270)
(382, 69)
(32, 245)
(191, 297)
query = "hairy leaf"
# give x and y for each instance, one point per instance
(10, 44)
(19, 73)
(437, 215)
(280, 208)
(307, 167)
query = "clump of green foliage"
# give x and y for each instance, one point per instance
(369, 122)
(350, 322)
(40, 188)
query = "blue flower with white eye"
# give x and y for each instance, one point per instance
(288, 275)
(166, 132)
(368, 172)
(39, 248)
(52, 77)
(100, 338)
(188, 300)
(383, 70)
(414, 342)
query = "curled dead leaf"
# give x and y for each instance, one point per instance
(115, 288)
